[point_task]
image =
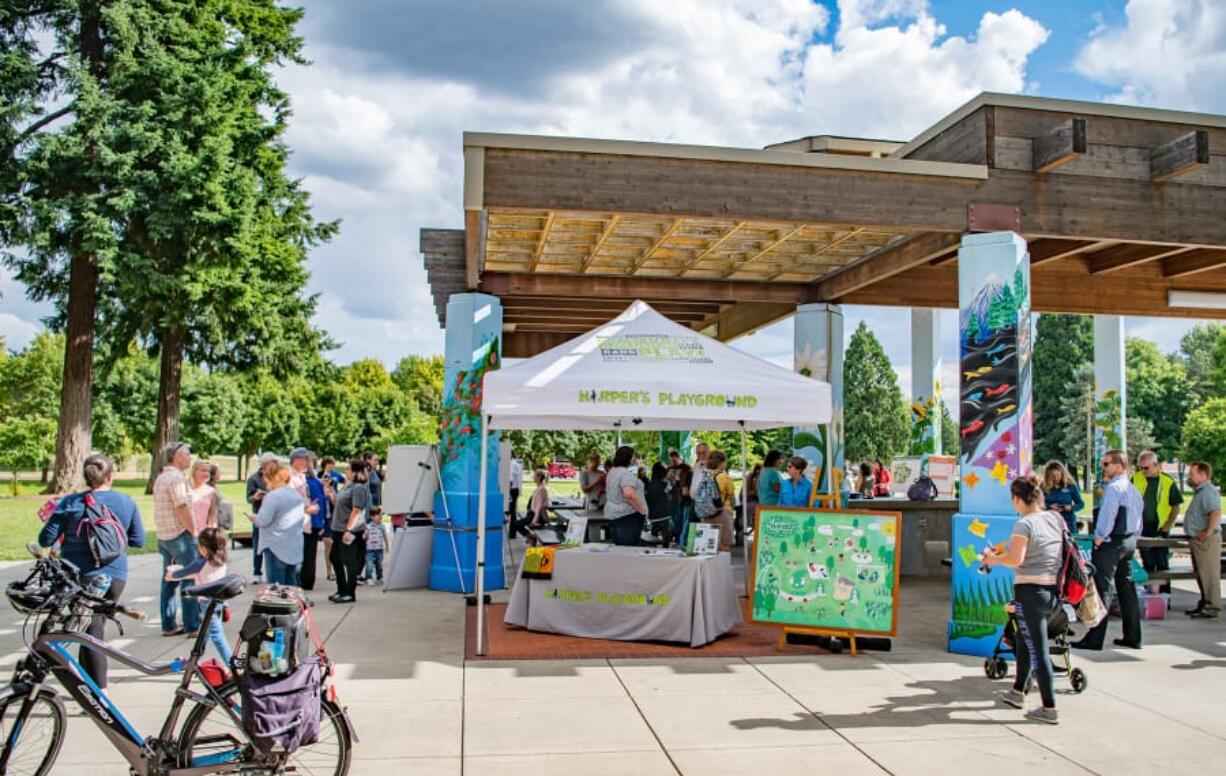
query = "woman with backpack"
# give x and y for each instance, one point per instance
(1036, 550)
(625, 504)
(717, 466)
(113, 513)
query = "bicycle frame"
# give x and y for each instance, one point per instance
(145, 756)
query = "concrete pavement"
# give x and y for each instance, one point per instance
(420, 709)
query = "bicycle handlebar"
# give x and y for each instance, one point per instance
(66, 576)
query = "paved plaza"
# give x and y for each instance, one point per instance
(421, 709)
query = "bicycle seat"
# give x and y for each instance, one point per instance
(223, 589)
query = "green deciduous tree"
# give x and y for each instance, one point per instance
(1204, 437)
(878, 422)
(29, 394)
(1158, 391)
(1196, 353)
(1062, 344)
(421, 377)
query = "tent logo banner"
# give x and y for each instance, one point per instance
(668, 399)
(644, 348)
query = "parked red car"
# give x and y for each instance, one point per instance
(561, 470)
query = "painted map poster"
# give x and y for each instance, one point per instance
(823, 569)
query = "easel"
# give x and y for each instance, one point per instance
(449, 526)
(833, 635)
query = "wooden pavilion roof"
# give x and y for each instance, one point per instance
(1121, 206)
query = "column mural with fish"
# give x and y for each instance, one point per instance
(925, 381)
(996, 428)
(473, 347)
(1110, 392)
(818, 336)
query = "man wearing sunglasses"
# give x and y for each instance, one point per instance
(1116, 525)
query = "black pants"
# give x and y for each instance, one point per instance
(310, 551)
(1035, 604)
(513, 510)
(627, 531)
(519, 525)
(1155, 558)
(1113, 578)
(347, 561)
(93, 662)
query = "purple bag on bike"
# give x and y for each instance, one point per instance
(282, 713)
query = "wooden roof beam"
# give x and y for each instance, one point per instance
(1192, 262)
(1059, 145)
(504, 284)
(886, 262)
(1118, 257)
(600, 241)
(1047, 250)
(827, 247)
(540, 243)
(744, 318)
(707, 251)
(1179, 156)
(663, 238)
(780, 238)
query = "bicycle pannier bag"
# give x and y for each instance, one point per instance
(279, 633)
(282, 712)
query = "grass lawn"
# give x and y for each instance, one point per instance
(19, 522)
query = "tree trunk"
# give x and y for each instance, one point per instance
(170, 380)
(72, 441)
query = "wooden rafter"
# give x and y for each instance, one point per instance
(540, 243)
(1179, 156)
(600, 241)
(714, 246)
(504, 284)
(828, 246)
(1119, 257)
(886, 262)
(1193, 262)
(663, 238)
(1060, 145)
(780, 239)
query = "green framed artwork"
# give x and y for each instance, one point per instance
(826, 570)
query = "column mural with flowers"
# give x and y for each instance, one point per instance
(472, 349)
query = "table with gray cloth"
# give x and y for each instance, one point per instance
(626, 594)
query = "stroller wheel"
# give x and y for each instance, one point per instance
(996, 668)
(1079, 680)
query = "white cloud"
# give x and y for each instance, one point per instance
(1167, 52)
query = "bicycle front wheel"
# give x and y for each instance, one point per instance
(210, 735)
(36, 738)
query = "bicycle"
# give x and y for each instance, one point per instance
(211, 739)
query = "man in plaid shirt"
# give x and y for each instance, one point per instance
(176, 532)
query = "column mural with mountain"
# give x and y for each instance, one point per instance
(996, 428)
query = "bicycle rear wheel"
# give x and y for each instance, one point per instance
(210, 735)
(39, 737)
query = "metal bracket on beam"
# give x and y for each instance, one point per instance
(982, 217)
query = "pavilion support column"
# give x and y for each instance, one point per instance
(818, 338)
(996, 428)
(925, 381)
(1110, 420)
(473, 347)
(675, 440)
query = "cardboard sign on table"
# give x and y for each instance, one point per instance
(576, 531)
(703, 540)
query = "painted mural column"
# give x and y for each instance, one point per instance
(1110, 391)
(996, 428)
(473, 347)
(818, 338)
(925, 381)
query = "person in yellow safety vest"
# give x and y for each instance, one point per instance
(1161, 496)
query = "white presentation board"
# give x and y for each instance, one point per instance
(411, 481)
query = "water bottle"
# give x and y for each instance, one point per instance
(99, 584)
(278, 651)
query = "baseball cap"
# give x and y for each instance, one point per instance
(299, 452)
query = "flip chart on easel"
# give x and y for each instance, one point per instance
(826, 570)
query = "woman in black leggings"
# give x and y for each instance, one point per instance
(1036, 550)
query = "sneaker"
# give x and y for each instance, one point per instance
(1011, 698)
(1200, 607)
(1046, 716)
(257, 580)
(173, 632)
(1204, 614)
(343, 599)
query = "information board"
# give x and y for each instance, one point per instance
(825, 569)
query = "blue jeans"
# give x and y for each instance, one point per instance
(257, 557)
(374, 565)
(627, 531)
(218, 638)
(280, 573)
(178, 551)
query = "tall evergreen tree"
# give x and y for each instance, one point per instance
(65, 155)
(1062, 344)
(878, 422)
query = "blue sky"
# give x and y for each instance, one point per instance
(379, 114)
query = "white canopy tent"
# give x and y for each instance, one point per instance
(641, 371)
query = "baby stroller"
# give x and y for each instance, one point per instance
(996, 667)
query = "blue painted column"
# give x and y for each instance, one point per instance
(925, 381)
(1110, 392)
(818, 337)
(996, 428)
(473, 347)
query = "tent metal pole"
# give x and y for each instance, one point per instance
(745, 504)
(830, 461)
(485, 446)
